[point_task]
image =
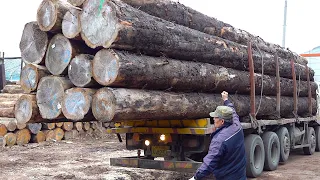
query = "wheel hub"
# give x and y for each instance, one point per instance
(286, 144)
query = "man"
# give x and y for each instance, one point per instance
(226, 155)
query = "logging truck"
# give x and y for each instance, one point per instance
(180, 145)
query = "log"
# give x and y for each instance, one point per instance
(58, 134)
(50, 14)
(3, 130)
(78, 126)
(50, 135)
(21, 125)
(23, 136)
(80, 71)
(130, 29)
(59, 124)
(2, 141)
(7, 104)
(76, 2)
(130, 104)
(71, 27)
(86, 126)
(10, 139)
(38, 138)
(34, 127)
(30, 76)
(7, 112)
(12, 97)
(67, 126)
(76, 103)
(12, 89)
(89, 132)
(33, 44)
(26, 110)
(186, 16)
(48, 126)
(49, 96)
(73, 134)
(10, 123)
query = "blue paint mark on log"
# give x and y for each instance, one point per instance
(75, 102)
(66, 56)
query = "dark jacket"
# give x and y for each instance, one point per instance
(226, 155)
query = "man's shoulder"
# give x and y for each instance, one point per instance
(228, 132)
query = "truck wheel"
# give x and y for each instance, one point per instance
(254, 154)
(312, 141)
(284, 139)
(272, 150)
(317, 131)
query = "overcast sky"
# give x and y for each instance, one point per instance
(260, 17)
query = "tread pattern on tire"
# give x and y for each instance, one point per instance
(281, 134)
(251, 141)
(269, 138)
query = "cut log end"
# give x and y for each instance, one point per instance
(33, 44)
(76, 2)
(3, 130)
(49, 126)
(10, 139)
(23, 109)
(99, 24)
(58, 134)
(67, 126)
(30, 76)
(71, 24)
(58, 55)
(80, 70)
(23, 136)
(86, 126)
(39, 137)
(105, 67)
(79, 126)
(34, 127)
(47, 15)
(59, 124)
(103, 105)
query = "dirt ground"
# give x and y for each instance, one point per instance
(89, 159)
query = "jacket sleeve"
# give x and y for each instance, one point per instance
(210, 161)
(235, 115)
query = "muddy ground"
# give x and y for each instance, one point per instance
(88, 158)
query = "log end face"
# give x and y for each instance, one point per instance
(104, 105)
(80, 70)
(105, 67)
(29, 78)
(33, 43)
(99, 23)
(47, 15)
(23, 136)
(58, 55)
(10, 139)
(75, 104)
(71, 24)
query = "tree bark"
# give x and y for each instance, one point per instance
(78, 126)
(34, 127)
(67, 126)
(121, 69)
(11, 139)
(38, 138)
(49, 96)
(129, 104)
(23, 136)
(48, 126)
(71, 26)
(33, 44)
(76, 103)
(30, 76)
(185, 16)
(86, 126)
(76, 2)
(80, 71)
(10, 123)
(3, 130)
(12, 89)
(26, 110)
(58, 134)
(130, 29)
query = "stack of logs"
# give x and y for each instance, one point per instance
(108, 61)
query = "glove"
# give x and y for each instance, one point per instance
(192, 178)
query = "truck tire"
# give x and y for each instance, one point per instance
(272, 150)
(317, 131)
(254, 155)
(312, 141)
(284, 139)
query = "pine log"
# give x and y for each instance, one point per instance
(67, 126)
(71, 27)
(76, 2)
(80, 71)
(21, 125)
(2, 141)
(49, 96)
(7, 104)
(10, 123)
(3, 130)
(33, 44)
(50, 135)
(76, 103)
(78, 126)
(59, 124)
(73, 134)
(86, 126)
(10, 139)
(48, 126)
(12, 89)
(34, 127)
(50, 14)
(130, 104)
(12, 97)
(130, 29)
(39, 137)
(58, 134)
(60, 52)
(23, 136)
(7, 112)
(26, 110)
(121, 69)
(30, 76)
(89, 132)
(186, 16)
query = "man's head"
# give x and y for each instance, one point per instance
(221, 115)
